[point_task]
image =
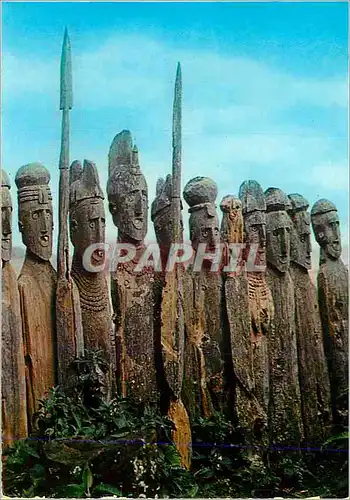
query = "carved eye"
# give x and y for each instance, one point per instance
(48, 214)
(92, 224)
(204, 233)
(275, 232)
(103, 222)
(35, 215)
(254, 229)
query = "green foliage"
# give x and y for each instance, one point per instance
(80, 449)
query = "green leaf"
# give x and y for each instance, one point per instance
(72, 491)
(88, 478)
(107, 488)
(337, 437)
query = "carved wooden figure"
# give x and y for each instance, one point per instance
(37, 281)
(285, 421)
(132, 291)
(260, 299)
(250, 413)
(13, 388)
(333, 296)
(169, 343)
(313, 372)
(203, 389)
(87, 227)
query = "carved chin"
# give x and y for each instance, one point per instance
(333, 250)
(43, 252)
(6, 252)
(281, 264)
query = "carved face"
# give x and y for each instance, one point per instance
(300, 251)
(6, 224)
(163, 227)
(87, 226)
(255, 228)
(204, 228)
(36, 226)
(278, 229)
(129, 209)
(327, 233)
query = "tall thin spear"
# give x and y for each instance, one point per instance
(66, 104)
(70, 341)
(176, 159)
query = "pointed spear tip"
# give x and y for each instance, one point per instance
(178, 70)
(66, 74)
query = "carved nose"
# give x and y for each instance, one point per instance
(44, 226)
(284, 242)
(138, 204)
(262, 236)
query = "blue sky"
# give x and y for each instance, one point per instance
(265, 91)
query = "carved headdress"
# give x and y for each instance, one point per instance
(84, 184)
(300, 246)
(123, 162)
(5, 180)
(162, 201)
(35, 218)
(298, 203)
(127, 189)
(6, 203)
(321, 207)
(252, 197)
(200, 194)
(32, 181)
(276, 200)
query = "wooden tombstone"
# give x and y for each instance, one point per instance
(13, 387)
(37, 281)
(333, 297)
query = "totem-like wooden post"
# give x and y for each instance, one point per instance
(313, 372)
(132, 289)
(37, 282)
(333, 296)
(249, 412)
(203, 389)
(87, 227)
(13, 387)
(285, 420)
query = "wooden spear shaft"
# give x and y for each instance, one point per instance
(176, 159)
(66, 104)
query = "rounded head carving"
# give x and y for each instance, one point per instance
(200, 194)
(300, 245)
(35, 209)
(162, 214)
(326, 227)
(200, 190)
(127, 190)
(278, 228)
(6, 217)
(254, 216)
(86, 209)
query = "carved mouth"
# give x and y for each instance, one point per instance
(98, 256)
(5, 243)
(44, 240)
(138, 223)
